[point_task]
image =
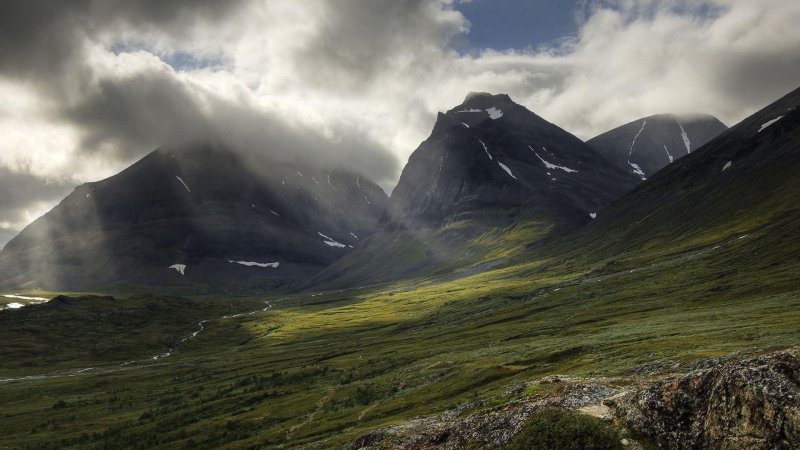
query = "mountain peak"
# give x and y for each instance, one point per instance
(473, 95)
(480, 106)
(647, 145)
(194, 216)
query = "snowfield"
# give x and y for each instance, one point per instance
(769, 123)
(274, 265)
(327, 240)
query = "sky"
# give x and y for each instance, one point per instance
(91, 86)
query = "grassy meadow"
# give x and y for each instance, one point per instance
(319, 369)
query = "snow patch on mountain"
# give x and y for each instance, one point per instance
(671, 159)
(494, 113)
(550, 165)
(327, 240)
(274, 265)
(769, 123)
(486, 149)
(637, 170)
(469, 111)
(180, 268)
(685, 136)
(183, 183)
(593, 215)
(508, 171)
(633, 143)
(727, 166)
(462, 123)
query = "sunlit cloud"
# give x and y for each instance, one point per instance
(90, 87)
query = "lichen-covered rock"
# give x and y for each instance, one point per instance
(750, 404)
(493, 428)
(727, 403)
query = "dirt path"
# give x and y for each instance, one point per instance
(309, 418)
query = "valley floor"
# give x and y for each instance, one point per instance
(322, 369)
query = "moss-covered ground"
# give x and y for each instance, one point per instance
(321, 368)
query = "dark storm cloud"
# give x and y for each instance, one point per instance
(6, 234)
(136, 113)
(128, 116)
(125, 111)
(44, 43)
(357, 41)
(41, 38)
(352, 83)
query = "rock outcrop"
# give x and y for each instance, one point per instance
(742, 404)
(751, 404)
(494, 427)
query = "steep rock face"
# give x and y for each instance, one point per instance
(197, 215)
(753, 404)
(492, 152)
(645, 146)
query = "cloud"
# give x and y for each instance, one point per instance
(25, 197)
(88, 87)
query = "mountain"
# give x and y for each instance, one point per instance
(196, 215)
(492, 177)
(645, 146)
(701, 255)
(490, 151)
(741, 184)
(5, 235)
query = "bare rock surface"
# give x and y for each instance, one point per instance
(738, 403)
(749, 404)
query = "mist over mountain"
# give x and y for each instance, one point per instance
(198, 216)
(6, 235)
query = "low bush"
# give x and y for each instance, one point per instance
(559, 429)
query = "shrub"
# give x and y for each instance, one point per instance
(559, 429)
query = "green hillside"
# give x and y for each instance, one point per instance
(696, 263)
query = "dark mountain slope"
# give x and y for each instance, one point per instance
(491, 178)
(198, 216)
(741, 184)
(489, 151)
(645, 146)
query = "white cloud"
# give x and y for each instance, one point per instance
(360, 82)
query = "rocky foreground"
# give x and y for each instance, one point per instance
(730, 403)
